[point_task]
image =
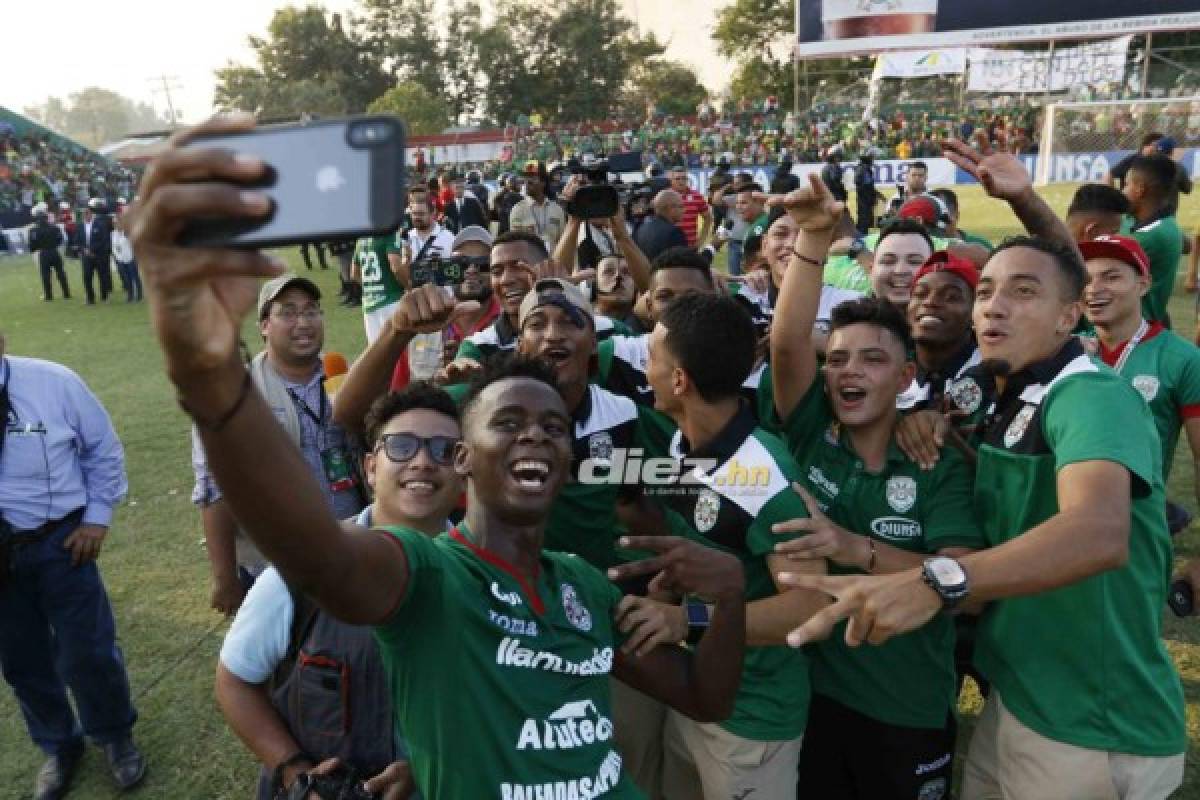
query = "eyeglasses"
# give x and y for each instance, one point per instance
(290, 315)
(403, 447)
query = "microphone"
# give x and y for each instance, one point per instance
(335, 367)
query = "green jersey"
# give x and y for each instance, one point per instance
(735, 488)
(1162, 240)
(380, 287)
(1084, 664)
(502, 686)
(971, 238)
(910, 680)
(1165, 369)
(844, 272)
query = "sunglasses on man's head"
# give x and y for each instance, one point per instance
(403, 447)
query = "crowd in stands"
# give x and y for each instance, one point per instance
(40, 169)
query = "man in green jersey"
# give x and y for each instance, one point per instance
(381, 290)
(1162, 366)
(1096, 210)
(516, 643)
(881, 720)
(1150, 187)
(1085, 700)
(734, 483)
(950, 226)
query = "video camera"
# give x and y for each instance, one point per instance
(599, 199)
(448, 271)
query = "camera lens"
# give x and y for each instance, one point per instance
(369, 133)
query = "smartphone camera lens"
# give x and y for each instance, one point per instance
(368, 134)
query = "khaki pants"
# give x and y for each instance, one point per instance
(1008, 761)
(707, 762)
(638, 722)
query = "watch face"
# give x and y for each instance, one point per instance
(947, 572)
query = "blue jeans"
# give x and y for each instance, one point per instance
(57, 632)
(735, 257)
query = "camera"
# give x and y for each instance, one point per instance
(448, 271)
(599, 198)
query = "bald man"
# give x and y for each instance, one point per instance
(661, 229)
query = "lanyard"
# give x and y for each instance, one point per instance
(318, 416)
(1137, 337)
(539, 224)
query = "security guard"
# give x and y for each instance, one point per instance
(45, 239)
(62, 471)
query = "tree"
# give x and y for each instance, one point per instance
(422, 112)
(672, 88)
(309, 62)
(404, 35)
(565, 65)
(96, 116)
(757, 35)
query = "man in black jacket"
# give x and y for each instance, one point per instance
(93, 238)
(661, 229)
(44, 239)
(464, 210)
(868, 195)
(831, 175)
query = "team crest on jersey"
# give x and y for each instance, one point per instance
(932, 790)
(600, 448)
(1147, 386)
(966, 395)
(1016, 428)
(901, 493)
(708, 506)
(577, 614)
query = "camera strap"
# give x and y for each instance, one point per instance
(425, 247)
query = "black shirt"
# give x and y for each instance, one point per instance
(656, 234)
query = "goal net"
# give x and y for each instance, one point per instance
(1081, 141)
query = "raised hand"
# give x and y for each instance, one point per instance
(878, 606)
(429, 308)
(812, 207)
(822, 539)
(1002, 175)
(682, 566)
(198, 296)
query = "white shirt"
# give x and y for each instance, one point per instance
(122, 250)
(442, 244)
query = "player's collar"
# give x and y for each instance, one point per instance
(1110, 357)
(726, 442)
(483, 554)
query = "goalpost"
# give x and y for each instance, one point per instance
(1108, 126)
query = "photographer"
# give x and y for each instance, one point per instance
(424, 239)
(621, 243)
(265, 677)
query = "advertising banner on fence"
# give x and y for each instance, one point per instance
(849, 27)
(921, 63)
(1013, 71)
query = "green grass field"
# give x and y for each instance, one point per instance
(155, 566)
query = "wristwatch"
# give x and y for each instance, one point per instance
(698, 618)
(946, 577)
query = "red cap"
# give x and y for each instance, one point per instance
(923, 208)
(945, 261)
(1123, 248)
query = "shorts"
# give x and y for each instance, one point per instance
(851, 756)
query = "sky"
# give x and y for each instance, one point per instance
(131, 44)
